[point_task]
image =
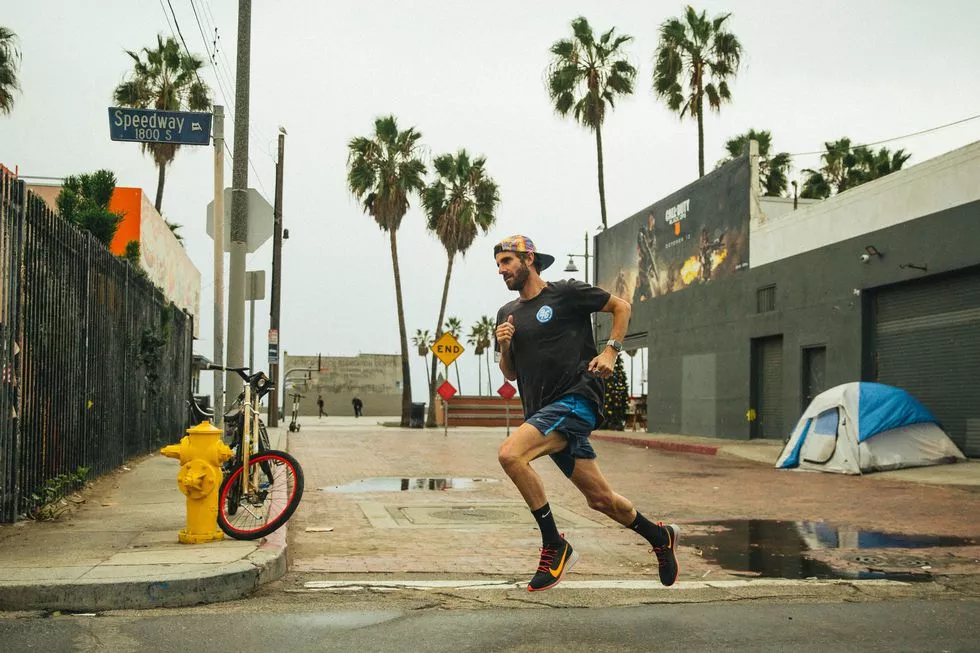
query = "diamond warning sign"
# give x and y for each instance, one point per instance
(447, 348)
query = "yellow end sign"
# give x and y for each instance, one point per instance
(447, 348)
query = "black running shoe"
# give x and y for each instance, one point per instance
(556, 559)
(666, 559)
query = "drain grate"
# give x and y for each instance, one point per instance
(474, 515)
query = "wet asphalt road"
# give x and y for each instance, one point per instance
(892, 626)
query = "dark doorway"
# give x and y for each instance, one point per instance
(814, 374)
(767, 388)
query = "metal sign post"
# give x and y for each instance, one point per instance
(254, 289)
(446, 391)
(507, 391)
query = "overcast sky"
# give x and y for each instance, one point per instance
(468, 75)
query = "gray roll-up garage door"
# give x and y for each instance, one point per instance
(927, 341)
(768, 372)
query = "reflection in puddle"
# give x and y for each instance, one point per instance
(422, 483)
(777, 549)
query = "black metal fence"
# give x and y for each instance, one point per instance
(95, 361)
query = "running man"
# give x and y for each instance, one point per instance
(544, 341)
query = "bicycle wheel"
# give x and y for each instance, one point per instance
(278, 488)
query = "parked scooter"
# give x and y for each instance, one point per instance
(294, 420)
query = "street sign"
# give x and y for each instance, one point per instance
(507, 391)
(273, 353)
(446, 390)
(260, 220)
(447, 348)
(273, 336)
(152, 126)
(254, 285)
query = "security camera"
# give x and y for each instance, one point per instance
(865, 258)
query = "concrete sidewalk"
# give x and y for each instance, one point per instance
(767, 451)
(119, 548)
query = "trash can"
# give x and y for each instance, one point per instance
(417, 418)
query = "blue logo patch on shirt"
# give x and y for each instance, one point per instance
(544, 314)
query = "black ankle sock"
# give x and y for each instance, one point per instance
(654, 534)
(546, 522)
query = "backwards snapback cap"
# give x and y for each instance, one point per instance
(523, 244)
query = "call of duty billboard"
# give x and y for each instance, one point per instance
(697, 234)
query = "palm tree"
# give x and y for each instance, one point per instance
(584, 76)
(873, 165)
(423, 340)
(838, 161)
(382, 171)
(166, 80)
(9, 64)
(475, 340)
(845, 167)
(704, 51)
(454, 327)
(773, 168)
(459, 203)
(488, 327)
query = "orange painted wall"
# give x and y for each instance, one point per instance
(127, 201)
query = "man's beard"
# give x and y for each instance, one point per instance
(517, 281)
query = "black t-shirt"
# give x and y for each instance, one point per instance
(553, 343)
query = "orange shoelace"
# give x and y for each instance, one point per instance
(547, 558)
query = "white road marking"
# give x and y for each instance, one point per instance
(349, 585)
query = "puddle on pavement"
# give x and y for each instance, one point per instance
(778, 549)
(411, 484)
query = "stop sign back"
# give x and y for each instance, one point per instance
(446, 390)
(507, 391)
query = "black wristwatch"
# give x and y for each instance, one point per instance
(615, 344)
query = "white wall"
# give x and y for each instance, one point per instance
(934, 185)
(167, 264)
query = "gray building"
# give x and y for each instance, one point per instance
(376, 379)
(746, 308)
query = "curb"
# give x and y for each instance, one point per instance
(678, 447)
(168, 589)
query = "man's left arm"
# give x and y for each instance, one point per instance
(602, 365)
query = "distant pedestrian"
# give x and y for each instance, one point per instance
(544, 342)
(358, 406)
(319, 405)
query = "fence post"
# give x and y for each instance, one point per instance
(86, 329)
(16, 303)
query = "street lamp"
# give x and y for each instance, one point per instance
(571, 264)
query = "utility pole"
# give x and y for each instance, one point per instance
(239, 202)
(219, 261)
(276, 281)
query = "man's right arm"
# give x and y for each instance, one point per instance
(503, 336)
(506, 364)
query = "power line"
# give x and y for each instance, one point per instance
(219, 57)
(188, 51)
(167, 17)
(896, 138)
(212, 57)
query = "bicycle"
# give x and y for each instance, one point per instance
(262, 487)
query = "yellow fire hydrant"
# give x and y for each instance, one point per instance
(200, 453)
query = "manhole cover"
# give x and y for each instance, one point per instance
(473, 515)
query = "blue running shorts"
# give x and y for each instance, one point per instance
(573, 417)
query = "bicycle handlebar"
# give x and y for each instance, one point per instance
(254, 380)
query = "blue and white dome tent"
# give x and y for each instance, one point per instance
(864, 427)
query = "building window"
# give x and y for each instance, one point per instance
(765, 299)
